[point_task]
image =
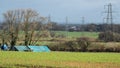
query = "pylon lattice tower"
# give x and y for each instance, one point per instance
(109, 17)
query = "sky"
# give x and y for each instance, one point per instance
(91, 10)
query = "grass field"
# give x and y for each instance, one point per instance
(79, 34)
(74, 34)
(69, 35)
(59, 59)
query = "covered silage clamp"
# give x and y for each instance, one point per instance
(21, 48)
(32, 48)
(39, 48)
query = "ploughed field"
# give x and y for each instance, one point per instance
(59, 60)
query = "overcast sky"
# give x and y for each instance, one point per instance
(92, 10)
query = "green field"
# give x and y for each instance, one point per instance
(59, 59)
(74, 34)
(9, 59)
(69, 35)
(78, 34)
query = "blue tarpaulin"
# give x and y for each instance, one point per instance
(4, 47)
(39, 48)
(21, 48)
(32, 48)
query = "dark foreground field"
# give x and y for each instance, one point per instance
(59, 60)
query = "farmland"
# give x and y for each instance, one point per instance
(69, 36)
(78, 41)
(73, 34)
(78, 34)
(59, 59)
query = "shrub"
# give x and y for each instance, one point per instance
(52, 34)
(96, 47)
(70, 45)
(60, 36)
(64, 46)
(83, 42)
(109, 36)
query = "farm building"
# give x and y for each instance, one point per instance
(32, 48)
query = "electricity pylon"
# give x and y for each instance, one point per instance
(66, 26)
(109, 17)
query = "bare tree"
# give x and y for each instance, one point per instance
(30, 24)
(13, 19)
(46, 28)
(26, 20)
(3, 35)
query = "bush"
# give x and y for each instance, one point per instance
(60, 36)
(52, 34)
(109, 36)
(64, 46)
(96, 47)
(70, 45)
(83, 42)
